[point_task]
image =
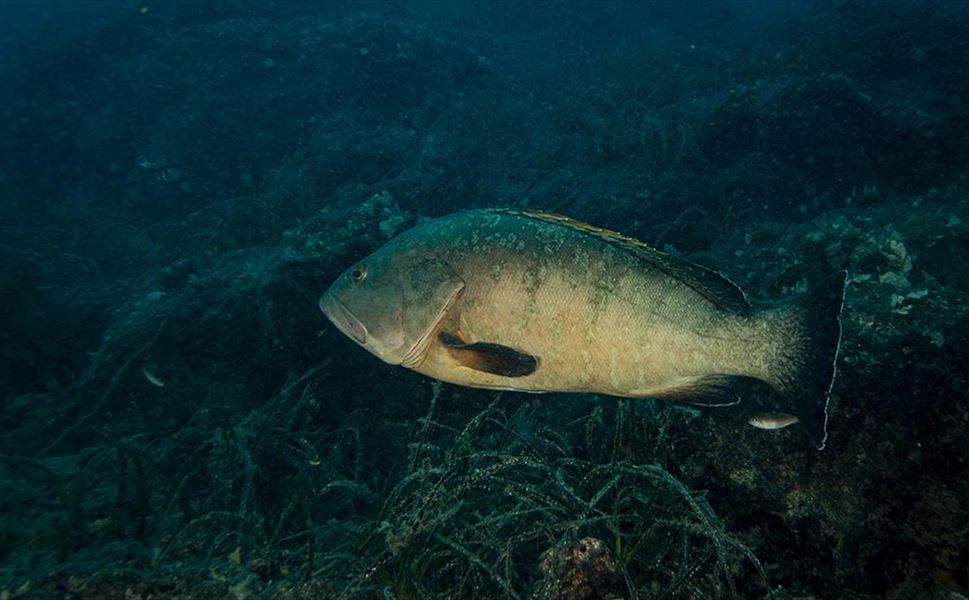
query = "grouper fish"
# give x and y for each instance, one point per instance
(537, 302)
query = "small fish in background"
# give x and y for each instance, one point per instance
(537, 302)
(772, 420)
(152, 377)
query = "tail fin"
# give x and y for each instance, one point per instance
(813, 361)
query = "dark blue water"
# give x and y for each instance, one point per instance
(182, 180)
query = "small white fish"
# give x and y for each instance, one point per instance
(152, 378)
(772, 420)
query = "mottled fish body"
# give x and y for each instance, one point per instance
(529, 301)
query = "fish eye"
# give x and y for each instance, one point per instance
(359, 274)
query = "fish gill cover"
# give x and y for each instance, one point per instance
(181, 181)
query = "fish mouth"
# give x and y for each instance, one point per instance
(344, 320)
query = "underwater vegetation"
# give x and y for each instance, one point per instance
(180, 181)
(502, 507)
(480, 512)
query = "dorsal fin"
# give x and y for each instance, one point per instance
(708, 283)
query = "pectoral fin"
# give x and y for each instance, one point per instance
(490, 358)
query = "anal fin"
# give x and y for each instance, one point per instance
(708, 390)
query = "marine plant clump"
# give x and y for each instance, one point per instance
(508, 508)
